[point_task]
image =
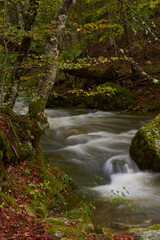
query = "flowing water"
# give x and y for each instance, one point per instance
(93, 147)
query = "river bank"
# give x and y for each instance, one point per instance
(33, 205)
(109, 87)
(34, 195)
(34, 202)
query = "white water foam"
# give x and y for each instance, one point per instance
(141, 187)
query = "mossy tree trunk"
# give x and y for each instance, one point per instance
(29, 19)
(38, 103)
(51, 49)
(4, 147)
(2, 169)
(128, 42)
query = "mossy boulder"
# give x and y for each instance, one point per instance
(152, 232)
(120, 100)
(146, 235)
(16, 135)
(108, 96)
(145, 146)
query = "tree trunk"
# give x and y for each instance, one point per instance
(5, 55)
(128, 43)
(29, 19)
(51, 49)
(38, 103)
(111, 36)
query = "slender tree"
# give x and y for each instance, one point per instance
(38, 103)
(29, 19)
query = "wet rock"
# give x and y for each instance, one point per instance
(59, 235)
(123, 226)
(147, 235)
(145, 146)
(148, 62)
(119, 165)
(75, 131)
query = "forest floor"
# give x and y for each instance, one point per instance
(146, 92)
(17, 222)
(25, 184)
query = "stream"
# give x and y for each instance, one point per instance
(93, 148)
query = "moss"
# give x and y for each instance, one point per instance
(154, 227)
(36, 112)
(37, 208)
(1, 155)
(4, 144)
(4, 153)
(67, 229)
(26, 152)
(122, 99)
(37, 106)
(49, 193)
(15, 145)
(7, 199)
(145, 146)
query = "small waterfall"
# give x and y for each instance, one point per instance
(120, 164)
(92, 147)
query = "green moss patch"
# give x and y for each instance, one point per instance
(7, 199)
(107, 96)
(145, 146)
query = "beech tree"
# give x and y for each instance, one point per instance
(29, 19)
(126, 25)
(24, 52)
(31, 31)
(50, 50)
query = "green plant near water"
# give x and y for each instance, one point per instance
(120, 197)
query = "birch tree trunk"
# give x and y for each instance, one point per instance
(38, 103)
(51, 49)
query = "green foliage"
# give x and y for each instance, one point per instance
(4, 144)
(89, 61)
(50, 193)
(88, 23)
(6, 199)
(27, 171)
(102, 89)
(119, 197)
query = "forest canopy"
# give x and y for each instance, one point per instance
(37, 37)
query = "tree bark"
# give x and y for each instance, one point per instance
(111, 36)
(29, 20)
(38, 103)
(128, 44)
(51, 49)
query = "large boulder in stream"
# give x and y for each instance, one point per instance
(108, 96)
(121, 99)
(145, 146)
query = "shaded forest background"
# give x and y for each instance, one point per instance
(119, 38)
(66, 50)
